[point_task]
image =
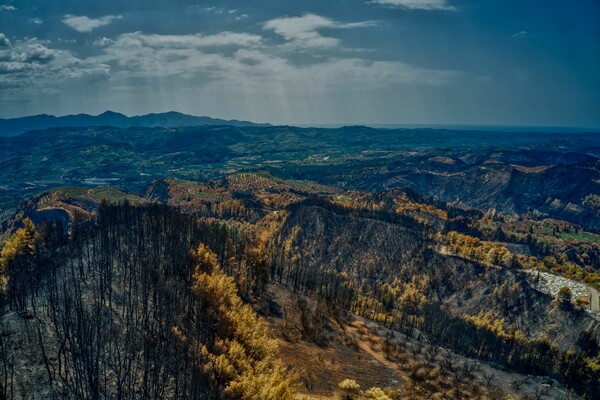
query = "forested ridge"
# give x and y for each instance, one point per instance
(124, 309)
(158, 301)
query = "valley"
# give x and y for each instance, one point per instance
(517, 172)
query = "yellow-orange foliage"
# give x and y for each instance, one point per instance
(21, 244)
(242, 359)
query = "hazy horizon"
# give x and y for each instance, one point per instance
(485, 127)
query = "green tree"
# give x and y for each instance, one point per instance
(564, 295)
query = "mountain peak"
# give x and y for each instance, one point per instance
(109, 113)
(170, 119)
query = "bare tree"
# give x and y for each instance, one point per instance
(488, 377)
(518, 382)
(7, 364)
(540, 392)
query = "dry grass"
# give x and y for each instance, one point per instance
(377, 357)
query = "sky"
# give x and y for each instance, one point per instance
(311, 62)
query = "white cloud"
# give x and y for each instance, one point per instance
(519, 35)
(440, 5)
(86, 24)
(304, 31)
(7, 8)
(102, 42)
(33, 53)
(4, 42)
(213, 9)
(31, 64)
(36, 21)
(234, 12)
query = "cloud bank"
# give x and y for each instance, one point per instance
(241, 59)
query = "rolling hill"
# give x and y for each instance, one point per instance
(15, 126)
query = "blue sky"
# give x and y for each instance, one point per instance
(492, 62)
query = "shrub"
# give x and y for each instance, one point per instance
(349, 388)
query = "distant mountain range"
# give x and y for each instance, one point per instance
(15, 126)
